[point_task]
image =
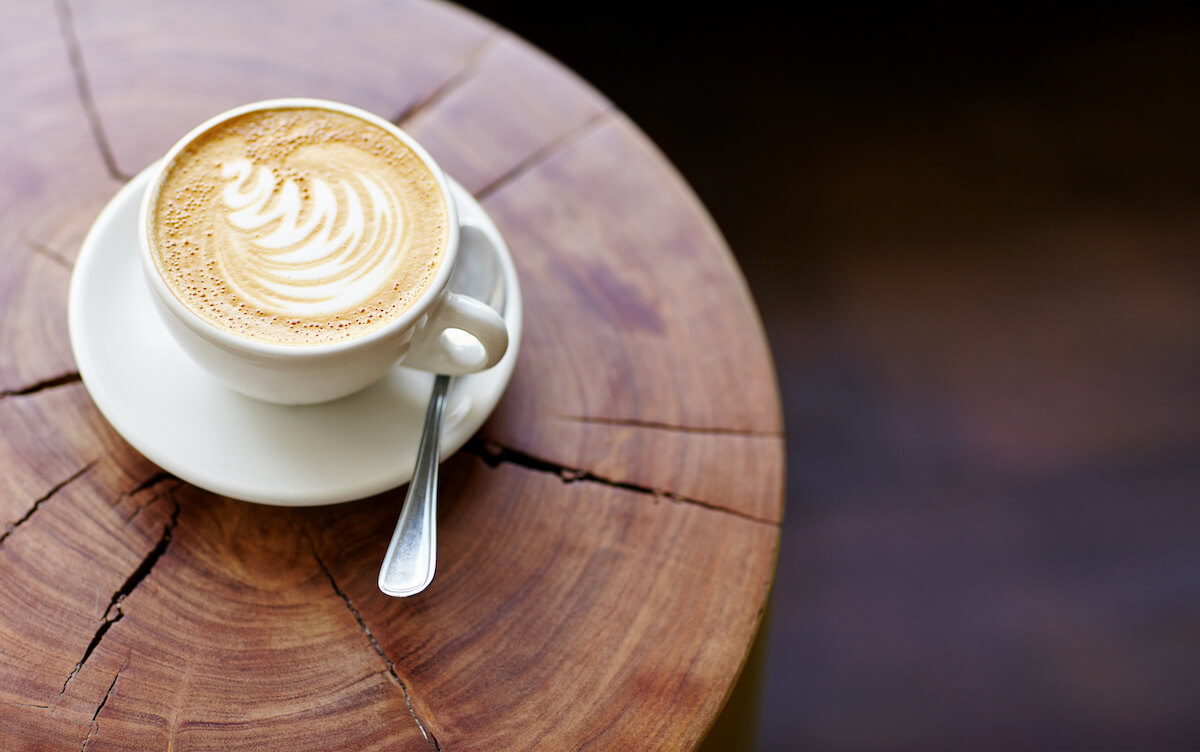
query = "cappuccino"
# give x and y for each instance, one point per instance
(298, 226)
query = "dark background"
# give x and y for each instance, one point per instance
(974, 240)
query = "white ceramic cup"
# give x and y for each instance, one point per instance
(310, 373)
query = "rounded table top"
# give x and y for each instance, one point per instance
(606, 543)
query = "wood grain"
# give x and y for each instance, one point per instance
(53, 184)
(483, 130)
(379, 55)
(635, 265)
(605, 546)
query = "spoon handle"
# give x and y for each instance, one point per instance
(408, 564)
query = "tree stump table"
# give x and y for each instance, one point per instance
(606, 543)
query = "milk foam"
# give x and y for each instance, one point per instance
(299, 226)
(303, 267)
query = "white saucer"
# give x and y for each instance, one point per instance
(200, 431)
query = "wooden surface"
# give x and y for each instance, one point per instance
(605, 546)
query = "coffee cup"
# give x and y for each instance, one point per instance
(298, 249)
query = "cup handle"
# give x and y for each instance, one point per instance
(436, 350)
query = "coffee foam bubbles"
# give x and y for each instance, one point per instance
(299, 226)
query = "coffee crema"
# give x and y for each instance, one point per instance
(298, 226)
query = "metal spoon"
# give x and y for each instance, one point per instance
(409, 562)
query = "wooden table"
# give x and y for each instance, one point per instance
(607, 542)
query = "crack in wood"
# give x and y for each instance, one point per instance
(494, 454)
(43, 499)
(161, 476)
(362, 625)
(37, 706)
(111, 616)
(114, 613)
(635, 423)
(103, 701)
(541, 154)
(455, 80)
(71, 377)
(66, 24)
(46, 251)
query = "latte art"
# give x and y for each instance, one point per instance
(298, 226)
(317, 256)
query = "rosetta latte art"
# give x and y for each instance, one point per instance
(309, 250)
